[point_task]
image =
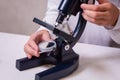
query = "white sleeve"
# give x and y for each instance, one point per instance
(115, 32)
(51, 14)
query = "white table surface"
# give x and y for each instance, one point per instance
(96, 62)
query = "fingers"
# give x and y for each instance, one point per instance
(31, 49)
(29, 56)
(93, 7)
(97, 18)
(33, 45)
(93, 20)
(105, 14)
(94, 14)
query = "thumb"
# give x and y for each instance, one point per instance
(46, 36)
(102, 1)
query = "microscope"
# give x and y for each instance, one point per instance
(62, 56)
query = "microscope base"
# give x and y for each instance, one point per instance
(61, 69)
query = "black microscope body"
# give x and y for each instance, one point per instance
(64, 58)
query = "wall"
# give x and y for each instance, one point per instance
(16, 15)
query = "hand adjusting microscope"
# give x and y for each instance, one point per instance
(64, 58)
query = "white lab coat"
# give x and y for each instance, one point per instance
(93, 34)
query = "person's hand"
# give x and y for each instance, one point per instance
(31, 47)
(105, 13)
